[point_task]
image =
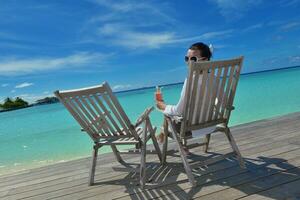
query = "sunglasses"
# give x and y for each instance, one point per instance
(193, 58)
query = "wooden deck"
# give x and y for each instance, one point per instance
(271, 148)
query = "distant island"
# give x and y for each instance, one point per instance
(46, 100)
(10, 104)
(13, 104)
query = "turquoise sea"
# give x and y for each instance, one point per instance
(47, 134)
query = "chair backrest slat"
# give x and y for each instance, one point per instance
(101, 116)
(119, 107)
(228, 86)
(78, 116)
(107, 113)
(90, 119)
(98, 112)
(200, 96)
(220, 93)
(117, 114)
(87, 126)
(208, 95)
(210, 102)
(214, 94)
(231, 94)
(98, 119)
(196, 77)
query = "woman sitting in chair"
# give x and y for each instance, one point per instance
(197, 52)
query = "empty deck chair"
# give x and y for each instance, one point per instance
(101, 116)
(210, 91)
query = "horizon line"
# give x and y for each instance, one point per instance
(177, 83)
(181, 82)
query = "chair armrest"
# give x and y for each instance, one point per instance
(174, 118)
(171, 124)
(143, 116)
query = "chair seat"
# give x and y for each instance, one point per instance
(123, 140)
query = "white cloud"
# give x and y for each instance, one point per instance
(281, 61)
(14, 45)
(286, 3)
(135, 39)
(121, 10)
(12, 91)
(146, 40)
(10, 67)
(170, 70)
(290, 25)
(125, 23)
(4, 85)
(25, 84)
(253, 27)
(121, 87)
(205, 36)
(46, 92)
(235, 8)
(220, 46)
(120, 6)
(294, 59)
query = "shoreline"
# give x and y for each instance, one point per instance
(18, 108)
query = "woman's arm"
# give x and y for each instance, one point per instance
(176, 109)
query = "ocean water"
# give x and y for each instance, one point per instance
(47, 134)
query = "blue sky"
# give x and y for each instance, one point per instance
(62, 44)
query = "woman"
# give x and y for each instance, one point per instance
(197, 52)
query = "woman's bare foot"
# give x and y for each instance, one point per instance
(161, 137)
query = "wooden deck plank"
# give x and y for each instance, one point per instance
(83, 182)
(107, 187)
(282, 176)
(288, 191)
(218, 180)
(276, 139)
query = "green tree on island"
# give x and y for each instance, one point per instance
(13, 104)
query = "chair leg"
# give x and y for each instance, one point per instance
(165, 144)
(152, 134)
(94, 162)
(184, 160)
(116, 153)
(143, 157)
(235, 148)
(165, 149)
(206, 141)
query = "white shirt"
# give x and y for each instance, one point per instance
(177, 110)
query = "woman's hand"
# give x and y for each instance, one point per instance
(161, 105)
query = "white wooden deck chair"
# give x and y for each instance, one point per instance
(101, 116)
(207, 104)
